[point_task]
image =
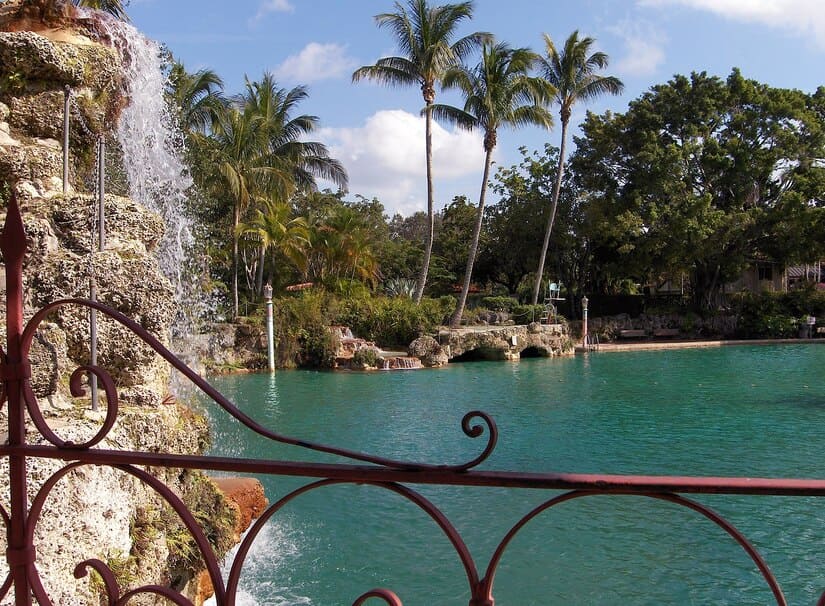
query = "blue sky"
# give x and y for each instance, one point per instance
(377, 132)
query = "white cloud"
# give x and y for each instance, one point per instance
(806, 17)
(385, 159)
(271, 6)
(316, 62)
(643, 49)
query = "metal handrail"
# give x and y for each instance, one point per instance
(391, 474)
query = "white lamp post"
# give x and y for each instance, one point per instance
(584, 321)
(270, 336)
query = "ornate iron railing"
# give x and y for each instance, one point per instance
(395, 475)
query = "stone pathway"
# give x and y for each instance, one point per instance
(659, 345)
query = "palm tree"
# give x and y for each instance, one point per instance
(497, 92)
(198, 98)
(424, 35)
(304, 161)
(239, 172)
(572, 73)
(341, 247)
(115, 8)
(262, 153)
(274, 231)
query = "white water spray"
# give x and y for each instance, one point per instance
(153, 147)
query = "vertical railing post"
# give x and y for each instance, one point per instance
(15, 371)
(101, 193)
(270, 337)
(101, 245)
(67, 94)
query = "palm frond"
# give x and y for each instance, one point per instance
(454, 115)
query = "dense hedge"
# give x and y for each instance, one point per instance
(776, 315)
(301, 334)
(301, 321)
(393, 322)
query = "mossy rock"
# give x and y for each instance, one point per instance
(35, 57)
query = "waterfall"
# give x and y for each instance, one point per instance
(153, 146)
(402, 363)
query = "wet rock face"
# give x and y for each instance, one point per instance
(36, 72)
(62, 259)
(95, 511)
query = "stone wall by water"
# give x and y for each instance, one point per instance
(608, 328)
(493, 343)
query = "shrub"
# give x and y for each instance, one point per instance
(366, 357)
(301, 334)
(499, 303)
(399, 287)
(765, 315)
(393, 322)
(524, 314)
(317, 347)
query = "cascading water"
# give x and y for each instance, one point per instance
(152, 146)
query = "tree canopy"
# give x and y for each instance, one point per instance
(703, 175)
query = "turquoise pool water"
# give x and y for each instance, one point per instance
(749, 411)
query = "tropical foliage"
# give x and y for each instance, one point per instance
(497, 92)
(116, 8)
(702, 176)
(573, 73)
(425, 35)
(699, 179)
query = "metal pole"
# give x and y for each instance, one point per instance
(20, 553)
(101, 221)
(101, 193)
(93, 344)
(67, 93)
(584, 322)
(270, 336)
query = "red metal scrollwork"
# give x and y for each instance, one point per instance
(21, 518)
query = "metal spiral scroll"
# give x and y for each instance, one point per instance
(77, 390)
(447, 528)
(472, 431)
(110, 583)
(384, 594)
(707, 512)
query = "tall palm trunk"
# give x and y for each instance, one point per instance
(235, 260)
(428, 244)
(455, 320)
(259, 279)
(555, 202)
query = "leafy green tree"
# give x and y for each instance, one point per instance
(572, 71)
(198, 98)
(514, 223)
(497, 92)
(701, 176)
(424, 35)
(514, 227)
(400, 253)
(452, 244)
(263, 153)
(275, 231)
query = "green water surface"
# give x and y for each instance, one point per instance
(745, 411)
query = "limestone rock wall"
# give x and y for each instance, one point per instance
(93, 512)
(492, 343)
(690, 327)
